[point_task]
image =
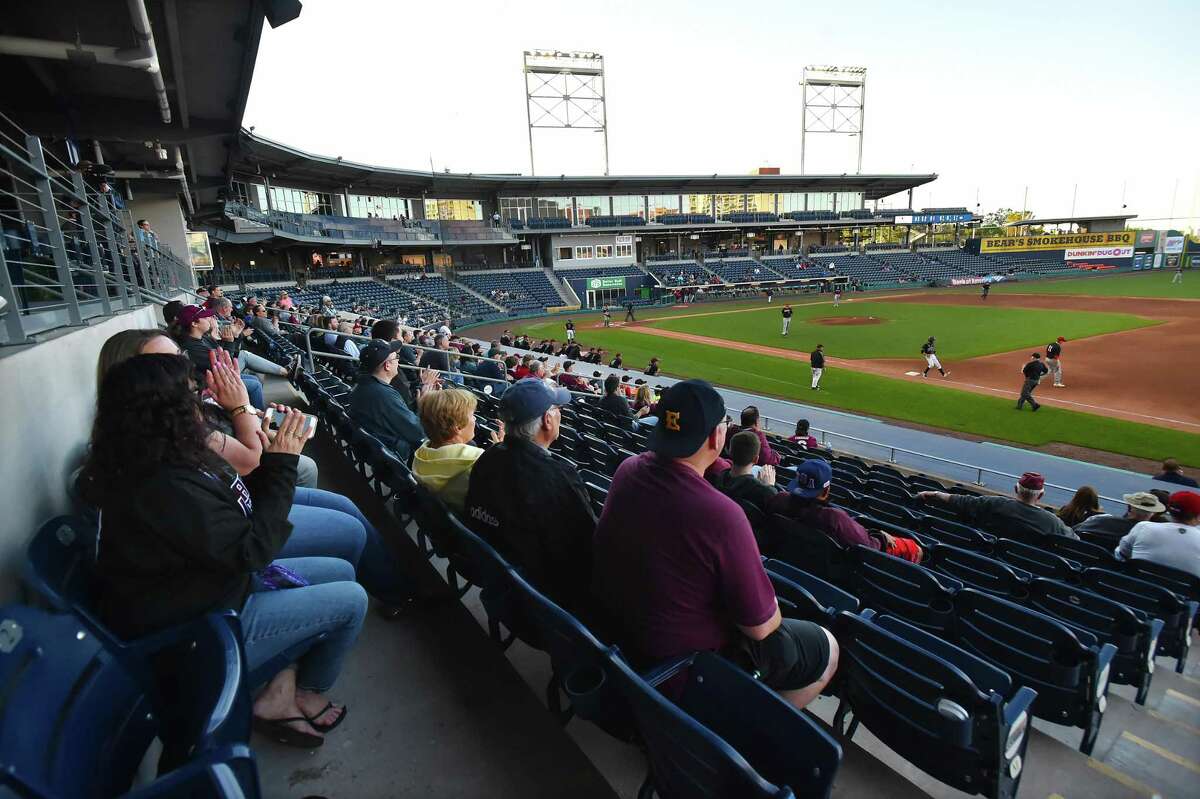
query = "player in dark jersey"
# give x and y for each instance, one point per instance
(786, 312)
(1054, 361)
(929, 350)
(1033, 372)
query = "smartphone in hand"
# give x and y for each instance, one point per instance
(274, 418)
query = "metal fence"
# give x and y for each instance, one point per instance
(68, 251)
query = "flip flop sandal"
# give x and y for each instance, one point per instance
(326, 728)
(277, 730)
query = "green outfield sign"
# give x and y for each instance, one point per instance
(597, 283)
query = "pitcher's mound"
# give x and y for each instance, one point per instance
(849, 320)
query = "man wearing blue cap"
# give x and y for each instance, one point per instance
(534, 508)
(677, 566)
(807, 501)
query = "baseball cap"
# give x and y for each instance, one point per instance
(687, 412)
(1060, 338)
(190, 313)
(1143, 500)
(1032, 481)
(372, 356)
(529, 398)
(812, 477)
(1184, 504)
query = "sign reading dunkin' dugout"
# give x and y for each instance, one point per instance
(1057, 241)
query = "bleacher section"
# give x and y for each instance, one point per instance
(615, 221)
(685, 219)
(810, 216)
(679, 273)
(332, 227)
(741, 270)
(443, 293)
(863, 268)
(522, 290)
(830, 248)
(916, 266)
(627, 270)
(791, 267)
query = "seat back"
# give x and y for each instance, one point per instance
(686, 759)
(958, 534)
(1067, 667)
(1155, 600)
(904, 589)
(760, 524)
(808, 549)
(76, 722)
(978, 571)
(1085, 554)
(894, 514)
(1185, 584)
(1036, 560)
(944, 710)
(831, 599)
(59, 562)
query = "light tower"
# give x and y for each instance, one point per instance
(565, 90)
(833, 101)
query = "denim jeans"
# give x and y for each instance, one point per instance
(257, 363)
(274, 621)
(325, 524)
(306, 472)
(255, 390)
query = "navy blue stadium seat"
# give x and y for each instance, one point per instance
(1132, 632)
(953, 715)
(957, 534)
(805, 596)
(77, 717)
(1037, 561)
(728, 736)
(978, 571)
(1067, 666)
(915, 594)
(1085, 554)
(809, 549)
(1156, 601)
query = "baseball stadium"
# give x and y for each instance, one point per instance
(766, 484)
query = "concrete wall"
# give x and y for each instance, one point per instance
(591, 240)
(166, 218)
(46, 411)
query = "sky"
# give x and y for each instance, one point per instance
(1054, 106)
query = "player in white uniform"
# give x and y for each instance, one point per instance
(929, 350)
(786, 311)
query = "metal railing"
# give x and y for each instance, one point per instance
(68, 252)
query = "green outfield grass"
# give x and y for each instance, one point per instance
(961, 331)
(924, 403)
(1155, 284)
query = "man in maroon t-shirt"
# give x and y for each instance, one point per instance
(696, 582)
(750, 421)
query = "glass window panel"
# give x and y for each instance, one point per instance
(624, 250)
(729, 203)
(516, 208)
(583, 252)
(587, 207)
(604, 250)
(630, 205)
(698, 203)
(559, 207)
(760, 203)
(661, 204)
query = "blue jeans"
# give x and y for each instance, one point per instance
(325, 524)
(255, 390)
(274, 621)
(257, 363)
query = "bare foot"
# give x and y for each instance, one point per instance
(278, 701)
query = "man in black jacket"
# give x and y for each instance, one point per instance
(613, 401)
(1033, 372)
(378, 408)
(530, 505)
(816, 360)
(435, 359)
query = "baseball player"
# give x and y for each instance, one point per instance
(570, 330)
(929, 350)
(1054, 361)
(629, 317)
(1178, 278)
(837, 294)
(1033, 372)
(607, 316)
(816, 359)
(786, 311)
(987, 286)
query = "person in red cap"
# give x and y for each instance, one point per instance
(1007, 516)
(1175, 543)
(1054, 361)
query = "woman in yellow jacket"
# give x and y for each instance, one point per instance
(443, 463)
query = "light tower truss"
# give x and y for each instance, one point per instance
(565, 91)
(833, 101)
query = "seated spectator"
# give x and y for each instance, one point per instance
(348, 344)
(652, 367)
(195, 332)
(1108, 529)
(614, 401)
(1173, 473)
(802, 437)
(491, 373)
(644, 406)
(1084, 504)
(616, 362)
(443, 463)
(807, 501)
(739, 482)
(698, 582)
(750, 421)
(1163, 496)
(1003, 515)
(397, 340)
(571, 381)
(183, 537)
(1174, 543)
(378, 408)
(531, 506)
(522, 371)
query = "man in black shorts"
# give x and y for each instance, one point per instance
(629, 317)
(1033, 372)
(688, 576)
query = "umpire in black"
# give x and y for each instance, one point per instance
(1033, 371)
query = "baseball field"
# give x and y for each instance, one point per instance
(1130, 357)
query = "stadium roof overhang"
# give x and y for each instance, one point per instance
(60, 83)
(1082, 221)
(288, 166)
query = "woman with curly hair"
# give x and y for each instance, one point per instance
(323, 523)
(183, 535)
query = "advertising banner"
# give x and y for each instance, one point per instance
(1147, 239)
(1173, 245)
(933, 219)
(597, 283)
(972, 281)
(1058, 241)
(1143, 260)
(199, 252)
(624, 239)
(1084, 253)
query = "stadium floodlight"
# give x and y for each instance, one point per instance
(564, 90)
(833, 100)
